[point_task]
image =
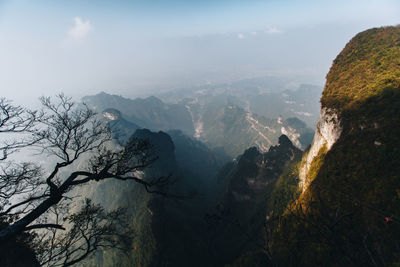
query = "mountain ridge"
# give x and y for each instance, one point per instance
(350, 177)
(209, 122)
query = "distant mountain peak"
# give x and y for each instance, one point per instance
(112, 114)
(284, 141)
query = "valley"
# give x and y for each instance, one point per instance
(253, 193)
(199, 133)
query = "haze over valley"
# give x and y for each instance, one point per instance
(199, 133)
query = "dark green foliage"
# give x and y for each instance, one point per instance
(240, 217)
(251, 259)
(18, 251)
(286, 189)
(340, 219)
(169, 230)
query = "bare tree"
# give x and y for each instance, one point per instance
(14, 119)
(90, 228)
(32, 199)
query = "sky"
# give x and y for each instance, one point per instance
(140, 47)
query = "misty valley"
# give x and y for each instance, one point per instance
(184, 137)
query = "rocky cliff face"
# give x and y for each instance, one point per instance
(255, 171)
(235, 129)
(327, 133)
(251, 180)
(348, 211)
(368, 66)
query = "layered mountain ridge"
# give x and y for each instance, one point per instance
(268, 96)
(219, 122)
(336, 204)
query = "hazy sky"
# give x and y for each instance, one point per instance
(128, 47)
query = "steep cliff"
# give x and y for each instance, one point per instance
(349, 209)
(326, 134)
(366, 70)
(250, 183)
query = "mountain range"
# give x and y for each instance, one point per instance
(219, 121)
(257, 199)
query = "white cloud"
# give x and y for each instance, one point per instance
(272, 30)
(80, 29)
(241, 36)
(253, 33)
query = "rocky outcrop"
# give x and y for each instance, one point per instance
(327, 133)
(350, 178)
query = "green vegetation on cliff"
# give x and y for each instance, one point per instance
(350, 213)
(367, 66)
(256, 181)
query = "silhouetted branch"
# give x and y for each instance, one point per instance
(44, 225)
(67, 133)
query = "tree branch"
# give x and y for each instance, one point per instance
(44, 225)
